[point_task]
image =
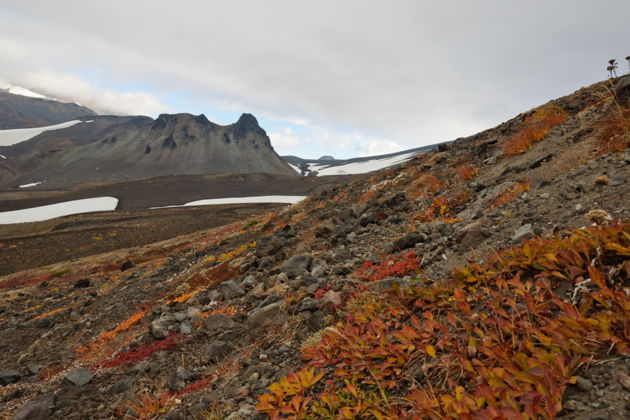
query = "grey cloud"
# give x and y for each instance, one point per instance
(412, 72)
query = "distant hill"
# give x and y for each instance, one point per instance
(327, 165)
(109, 148)
(20, 111)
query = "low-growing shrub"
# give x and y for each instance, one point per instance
(496, 341)
(536, 128)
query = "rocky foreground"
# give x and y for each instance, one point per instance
(488, 279)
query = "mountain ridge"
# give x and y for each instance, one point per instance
(18, 111)
(111, 148)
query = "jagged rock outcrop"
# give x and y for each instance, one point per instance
(130, 148)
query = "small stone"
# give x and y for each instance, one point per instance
(308, 304)
(217, 351)
(573, 405)
(331, 298)
(259, 291)
(579, 207)
(241, 393)
(82, 283)
(618, 179)
(79, 377)
(545, 196)
(32, 410)
(183, 373)
(34, 368)
(219, 322)
(409, 240)
(16, 393)
(624, 380)
(160, 327)
(318, 271)
(9, 377)
(266, 316)
(127, 265)
(185, 328)
(191, 312)
(229, 289)
(297, 265)
(583, 384)
(179, 316)
(524, 232)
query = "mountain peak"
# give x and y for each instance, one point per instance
(247, 120)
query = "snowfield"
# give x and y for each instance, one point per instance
(363, 167)
(286, 199)
(32, 184)
(17, 135)
(295, 168)
(38, 214)
(18, 90)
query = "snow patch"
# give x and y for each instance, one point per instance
(3, 156)
(38, 214)
(32, 184)
(362, 167)
(296, 169)
(18, 135)
(285, 199)
(18, 90)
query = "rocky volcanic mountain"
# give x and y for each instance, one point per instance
(18, 111)
(489, 279)
(107, 148)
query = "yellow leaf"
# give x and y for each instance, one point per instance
(431, 351)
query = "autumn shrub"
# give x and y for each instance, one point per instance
(391, 266)
(496, 341)
(509, 194)
(536, 127)
(425, 185)
(443, 208)
(613, 133)
(466, 171)
(144, 351)
(96, 347)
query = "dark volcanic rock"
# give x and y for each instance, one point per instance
(266, 316)
(79, 377)
(82, 283)
(9, 376)
(217, 351)
(127, 265)
(219, 322)
(409, 240)
(32, 410)
(297, 264)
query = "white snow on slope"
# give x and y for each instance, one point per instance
(361, 167)
(37, 214)
(3, 156)
(287, 199)
(18, 90)
(17, 135)
(32, 184)
(295, 168)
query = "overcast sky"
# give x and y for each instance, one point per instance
(337, 77)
